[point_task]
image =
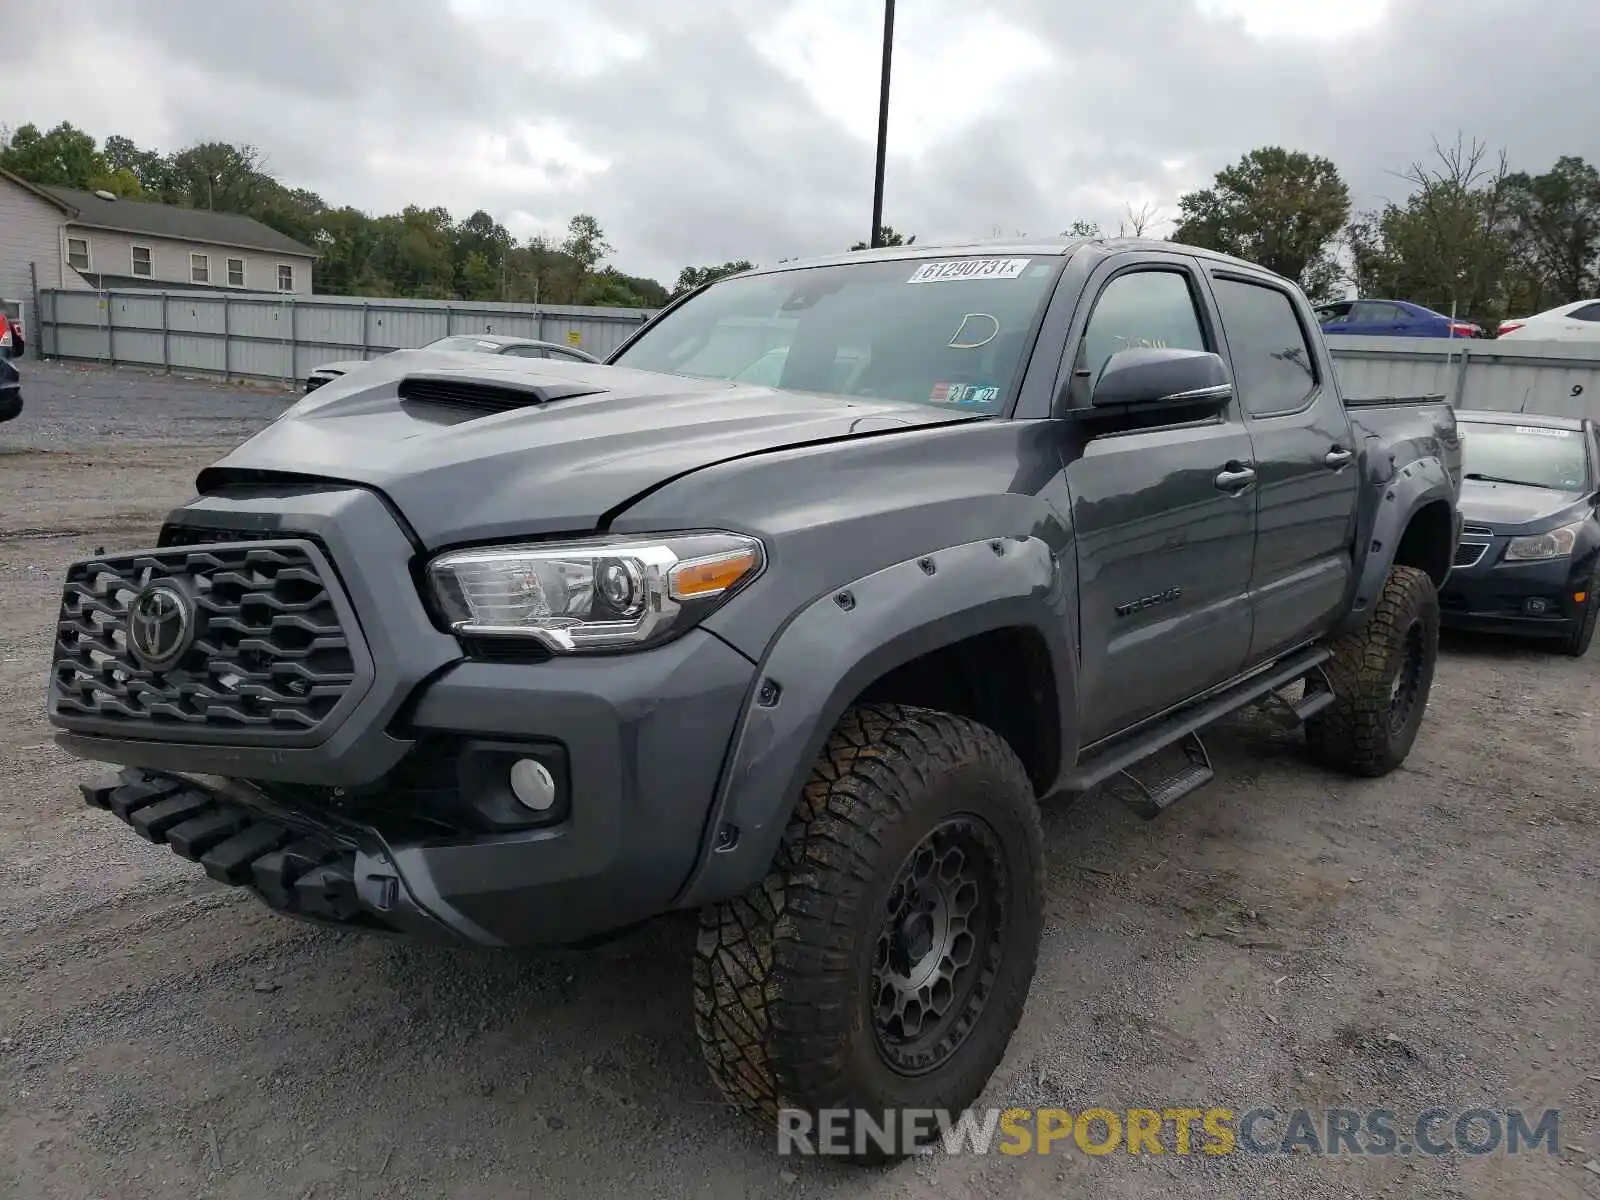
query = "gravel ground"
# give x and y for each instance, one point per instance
(1283, 938)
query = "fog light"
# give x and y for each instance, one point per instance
(532, 784)
(1534, 606)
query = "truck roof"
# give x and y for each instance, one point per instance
(1488, 416)
(1036, 247)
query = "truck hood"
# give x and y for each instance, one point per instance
(1512, 507)
(580, 442)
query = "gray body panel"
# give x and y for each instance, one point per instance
(892, 530)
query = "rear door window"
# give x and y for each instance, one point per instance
(1274, 371)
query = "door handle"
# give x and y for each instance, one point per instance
(1235, 477)
(1337, 457)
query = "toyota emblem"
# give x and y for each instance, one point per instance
(160, 626)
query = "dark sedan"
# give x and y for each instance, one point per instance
(1391, 318)
(1530, 545)
(10, 390)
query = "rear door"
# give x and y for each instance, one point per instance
(1163, 513)
(1411, 323)
(1375, 319)
(1305, 496)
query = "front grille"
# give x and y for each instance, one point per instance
(1468, 553)
(269, 654)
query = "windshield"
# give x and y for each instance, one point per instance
(951, 332)
(1530, 454)
(471, 345)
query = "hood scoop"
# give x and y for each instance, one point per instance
(449, 391)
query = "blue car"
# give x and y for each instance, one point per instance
(1390, 318)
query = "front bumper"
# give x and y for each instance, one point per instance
(1530, 599)
(415, 829)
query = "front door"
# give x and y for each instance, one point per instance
(1164, 515)
(1305, 459)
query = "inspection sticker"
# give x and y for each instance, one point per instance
(964, 393)
(1543, 431)
(969, 268)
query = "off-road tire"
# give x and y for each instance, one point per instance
(1362, 732)
(1576, 643)
(785, 975)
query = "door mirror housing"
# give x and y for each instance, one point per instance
(1144, 377)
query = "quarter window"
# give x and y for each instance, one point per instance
(1273, 368)
(1142, 308)
(1589, 312)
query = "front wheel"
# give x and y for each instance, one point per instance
(883, 964)
(1576, 643)
(1380, 676)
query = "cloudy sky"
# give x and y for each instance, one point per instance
(704, 130)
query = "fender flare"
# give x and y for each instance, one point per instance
(832, 649)
(1406, 491)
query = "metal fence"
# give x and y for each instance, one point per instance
(273, 337)
(1553, 378)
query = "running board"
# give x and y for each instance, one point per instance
(1108, 759)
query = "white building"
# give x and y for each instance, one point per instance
(65, 238)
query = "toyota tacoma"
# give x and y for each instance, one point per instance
(528, 652)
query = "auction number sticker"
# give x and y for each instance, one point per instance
(1542, 431)
(969, 268)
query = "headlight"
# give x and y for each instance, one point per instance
(599, 594)
(1557, 543)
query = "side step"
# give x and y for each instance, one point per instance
(1154, 784)
(1292, 714)
(1315, 699)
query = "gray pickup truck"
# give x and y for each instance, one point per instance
(525, 652)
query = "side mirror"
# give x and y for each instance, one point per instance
(1145, 377)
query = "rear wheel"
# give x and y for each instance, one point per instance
(884, 962)
(1380, 676)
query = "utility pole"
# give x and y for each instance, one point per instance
(883, 125)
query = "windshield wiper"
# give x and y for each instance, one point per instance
(1482, 478)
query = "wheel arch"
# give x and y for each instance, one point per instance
(1415, 525)
(995, 613)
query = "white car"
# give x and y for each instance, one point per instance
(1575, 322)
(468, 343)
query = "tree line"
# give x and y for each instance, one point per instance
(423, 253)
(1470, 237)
